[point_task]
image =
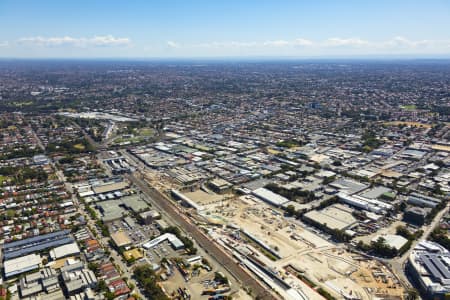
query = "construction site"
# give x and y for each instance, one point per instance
(294, 259)
(297, 254)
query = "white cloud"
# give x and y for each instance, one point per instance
(173, 44)
(4, 44)
(277, 43)
(352, 42)
(232, 44)
(270, 43)
(96, 41)
(109, 40)
(303, 42)
(402, 42)
(329, 46)
(285, 43)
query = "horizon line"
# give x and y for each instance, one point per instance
(240, 58)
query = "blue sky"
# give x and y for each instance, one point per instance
(231, 28)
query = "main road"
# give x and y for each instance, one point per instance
(209, 246)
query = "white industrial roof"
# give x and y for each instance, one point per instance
(392, 240)
(86, 193)
(64, 250)
(270, 196)
(21, 264)
(166, 236)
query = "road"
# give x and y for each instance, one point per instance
(210, 247)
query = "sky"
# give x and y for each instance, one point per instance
(224, 28)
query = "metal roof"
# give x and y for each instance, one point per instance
(37, 243)
(435, 266)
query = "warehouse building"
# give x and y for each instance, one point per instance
(109, 187)
(64, 251)
(423, 201)
(334, 217)
(22, 264)
(392, 240)
(375, 206)
(348, 186)
(270, 197)
(134, 203)
(111, 210)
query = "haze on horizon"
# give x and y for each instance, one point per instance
(211, 29)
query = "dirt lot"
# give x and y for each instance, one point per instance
(202, 198)
(376, 277)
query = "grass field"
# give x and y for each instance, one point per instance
(3, 179)
(131, 140)
(79, 147)
(408, 107)
(146, 132)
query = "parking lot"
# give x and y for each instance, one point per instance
(137, 233)
(156, 254)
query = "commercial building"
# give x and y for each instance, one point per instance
(416, 215)
(376, 192)
(115, 209)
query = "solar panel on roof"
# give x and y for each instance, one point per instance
(430, 266)
(440, 266)
(36, 239)
(16, 252)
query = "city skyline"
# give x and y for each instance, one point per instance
(198, 29)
